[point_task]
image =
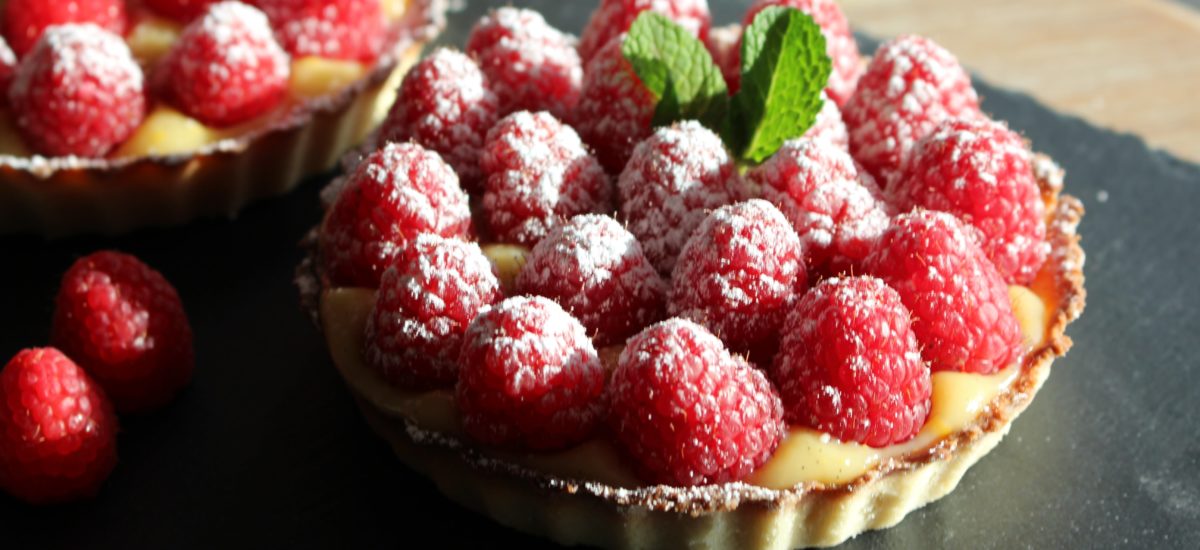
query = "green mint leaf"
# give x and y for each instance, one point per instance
(784, 69)
(678, 70)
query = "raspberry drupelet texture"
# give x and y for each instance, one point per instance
(425, 302)
(911, 85)
(963, 318)
(226, 67)
(394, 195)
(78, 92)
(613, 17)
(124, 323)
(829, 126)
(538, 173)
(529, 377)
(445, 105)
(836, 210)
(340, 29)
(529, 64)
(738, 272)
(596, 270)
(849, 364)
(25, 20)
(687, 411)
(674, 178)
(180, 10)
(982, 172)
(839, 43)
(58, 433)
(615, 109)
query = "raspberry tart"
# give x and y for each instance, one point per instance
(117, 115)
(762, 342)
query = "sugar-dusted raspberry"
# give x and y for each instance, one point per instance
(180, 10)
(595, 269)
(982, 172)
(425, 302)
(529, 64)
(849, 364)
(964, 320)
(911, 85)
(836, 210)
(394, 195)
(445, 105)
(738, 272)
(8, 68)
(123, 322)
(529, 377)
(58, 433)
(615, 109)
(839, 43)
(613, 17)
(341, 29)
(538, 174)
(226, 67)
(687, 411)
(674, 178)
(79, 92)
(829, 126)
(26, 20)
(724, 44)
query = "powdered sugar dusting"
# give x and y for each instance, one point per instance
(530, 64)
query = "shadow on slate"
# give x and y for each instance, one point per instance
(266, 448)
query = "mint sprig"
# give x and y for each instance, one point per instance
(677, 69)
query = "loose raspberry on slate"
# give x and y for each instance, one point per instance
(595, 269)
(674, 178)
(226, 67)
(529, 377)
(180, 10)
(836, 210)
(26, 20)
(125, 325)
(615, 109)
(963, 318)
(340, 29)
(911, 85)
(58, 433)
(738, 272)
(613, 17)
(689, 413)
(425, 302)
(445, 105)
(850, 366)
(538, 174)
(394, 195)
(982, 172)
(529, 64)
(78, 92)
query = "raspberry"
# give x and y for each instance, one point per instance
(125, 325)
(179, 10)
(597, 271)
(8, 68)
(529, 64)
(724, 44)
(445, 105)
(911, 85)
(982, 172)
(849, 364)
(671, 182)
(738, 272)
(689, 413)
(614, 17)
(26, 20)
(341, 29)
(614, 110)
(529, 377)
(425, 302)
(829, 126)
(538, 173)
(394, 195)
(226, 67)
(78, 92)
(836, 210)
(58, 433)
(964, 320)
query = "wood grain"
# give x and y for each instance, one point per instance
(1131, 65)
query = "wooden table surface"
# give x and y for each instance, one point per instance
(1129, 65)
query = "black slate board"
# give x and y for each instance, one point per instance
(266, 448)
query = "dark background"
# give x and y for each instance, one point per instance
(265, 448)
